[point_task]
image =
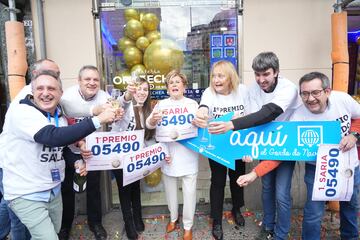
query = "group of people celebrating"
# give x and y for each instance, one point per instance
(37, 192)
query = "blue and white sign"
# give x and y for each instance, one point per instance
(140, 164)
(176, 122)
(223, 47)
(272, 141)
(334, 177)
(109, 148)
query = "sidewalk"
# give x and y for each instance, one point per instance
(156, 218)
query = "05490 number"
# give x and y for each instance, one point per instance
(150, 160)
(176, 119)
(118, 148)
(333, 163)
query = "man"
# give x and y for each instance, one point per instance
(9, 222)
(272, 97)
(79, 102)
(33, 158)
(320, 103)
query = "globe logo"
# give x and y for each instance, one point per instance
(310, 137)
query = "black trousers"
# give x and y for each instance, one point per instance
(93, 196)
(218, 182)
(130, 198)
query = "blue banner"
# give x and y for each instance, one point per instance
(272, 141)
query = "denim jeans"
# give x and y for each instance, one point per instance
(276, 199)
(9, 222)
(314, 210)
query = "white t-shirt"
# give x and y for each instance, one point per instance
(27, 165)
(76, 106)
(183, 160)
(21, 95)
(285, 95)
(341, 107)
(237, 101)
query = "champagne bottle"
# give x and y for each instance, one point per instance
(79, 182)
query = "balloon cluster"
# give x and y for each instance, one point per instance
(143, 49)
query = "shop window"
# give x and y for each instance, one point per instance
(154, 37)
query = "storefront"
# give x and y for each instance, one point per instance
(150, 38)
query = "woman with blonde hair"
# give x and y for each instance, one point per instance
(224, 95)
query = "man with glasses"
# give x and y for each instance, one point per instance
(272, 97)
(321, 103)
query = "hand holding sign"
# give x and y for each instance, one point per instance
(109, 148)
(176, 122)
(334, 177)
(141, 164)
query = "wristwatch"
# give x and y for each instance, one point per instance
(356, 134)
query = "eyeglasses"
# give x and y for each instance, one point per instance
(314, 93)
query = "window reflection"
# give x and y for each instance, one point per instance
(181, 28)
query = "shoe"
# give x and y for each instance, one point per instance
(98, 230)
(171, 226)
(139, 225)
(238, 218)
(64, 234)
(187, 234)
(265, 235)
(130, 230)
(217, 231)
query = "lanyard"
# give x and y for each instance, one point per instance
(56, 118)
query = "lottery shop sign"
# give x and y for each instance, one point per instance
(140, 164)
(334, 177)
(109, 148)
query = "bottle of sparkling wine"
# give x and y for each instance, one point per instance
(79, 182)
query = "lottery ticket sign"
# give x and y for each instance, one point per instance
(140, 164)
(334, 177)
(109, 148)
(176, 122)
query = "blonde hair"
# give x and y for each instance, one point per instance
(228, 69)
(174, 73)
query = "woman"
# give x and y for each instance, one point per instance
(182, 163)
(129, 195)
(225, 94)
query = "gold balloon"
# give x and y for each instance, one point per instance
(141, 15)
(142, 43)
(131, 13)
(132, 56)
(120, 80)
(153, 35)
(150, 21)
(163, 55)
(134, 29)
(125, 42)
(138, 68)
(154, 178)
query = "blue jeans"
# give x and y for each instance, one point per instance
(276, 199)
(314, 210)
(9, 222)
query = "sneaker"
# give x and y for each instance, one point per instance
(265, 235)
